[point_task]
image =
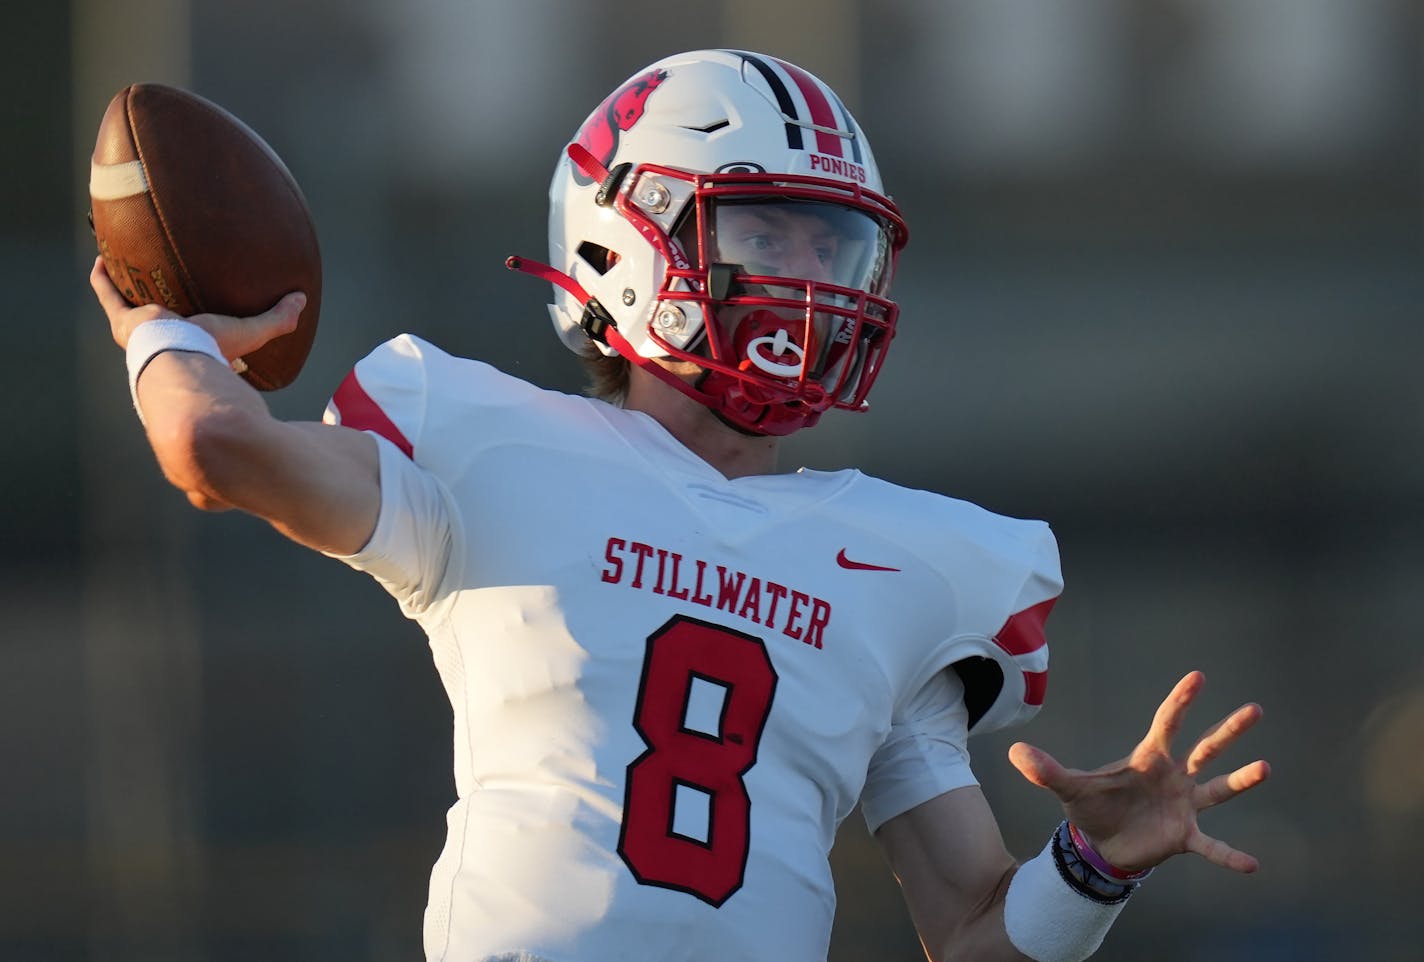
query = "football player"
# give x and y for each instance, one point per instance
(674, 670)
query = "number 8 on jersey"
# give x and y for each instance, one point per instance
(687, 665)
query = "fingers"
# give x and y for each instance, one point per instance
(1226, 787)
(1037, 766)
(109, 297)
(236, 336)
(1214, 792)
(286, 312)
(1173, 711)
(239, 336)
(281, 318)
(1217, 852)
(123, 316)
(1221, 735)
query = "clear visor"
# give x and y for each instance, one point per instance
(802, 302)
(808, 240)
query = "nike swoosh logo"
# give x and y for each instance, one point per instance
(845, 562)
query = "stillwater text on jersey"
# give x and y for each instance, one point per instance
(799, 615)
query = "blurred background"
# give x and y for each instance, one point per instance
(1164, 290)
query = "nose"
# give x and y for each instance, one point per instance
(806, 262)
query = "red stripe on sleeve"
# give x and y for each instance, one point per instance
(1035, 687)
(1023, 632)
(356, 410)
(820, 107)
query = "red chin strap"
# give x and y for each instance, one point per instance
(752, 409)
(744, 406)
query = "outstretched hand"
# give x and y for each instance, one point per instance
(1143, 809)
(236, 336)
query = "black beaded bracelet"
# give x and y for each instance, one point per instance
(1082, 877)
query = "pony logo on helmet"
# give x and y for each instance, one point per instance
(740, 226)
(623, 108)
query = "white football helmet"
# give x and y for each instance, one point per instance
(724, 208)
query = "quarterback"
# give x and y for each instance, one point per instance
(674, 669)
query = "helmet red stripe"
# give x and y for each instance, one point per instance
(782, 95)
(821, 113)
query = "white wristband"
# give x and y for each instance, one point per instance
(165, 334)
(1048, 920)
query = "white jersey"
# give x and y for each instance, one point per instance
(670, 688)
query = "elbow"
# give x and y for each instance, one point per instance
(199, 454)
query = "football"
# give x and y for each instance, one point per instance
(193, 210)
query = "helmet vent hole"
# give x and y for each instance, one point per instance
(711, 128)
(598, 257)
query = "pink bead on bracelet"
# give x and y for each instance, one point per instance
(1100, 864)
